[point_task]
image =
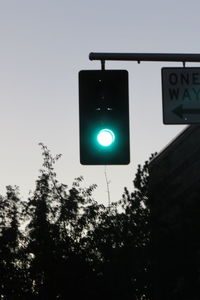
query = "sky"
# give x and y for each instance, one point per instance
(43, 46)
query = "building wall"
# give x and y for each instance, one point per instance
(175, 211)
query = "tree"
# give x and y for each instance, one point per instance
(11, 274)
(73, 246)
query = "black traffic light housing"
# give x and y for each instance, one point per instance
(104, 117)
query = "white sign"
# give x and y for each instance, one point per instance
(181, 95)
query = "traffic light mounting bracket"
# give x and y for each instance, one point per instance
(178, 57)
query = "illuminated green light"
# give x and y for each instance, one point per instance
(105, 137)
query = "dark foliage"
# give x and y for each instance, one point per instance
(61, 243)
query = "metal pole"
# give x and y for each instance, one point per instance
(178, 57)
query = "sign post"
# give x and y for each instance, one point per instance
(181, 95)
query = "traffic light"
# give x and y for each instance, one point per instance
(104, 117)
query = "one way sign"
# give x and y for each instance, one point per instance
(181, 95)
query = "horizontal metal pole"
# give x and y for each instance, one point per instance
(182, 57)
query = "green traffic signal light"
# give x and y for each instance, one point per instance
(106, 137)
(104, 117)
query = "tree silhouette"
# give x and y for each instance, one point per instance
(61, 243)
(11, 272)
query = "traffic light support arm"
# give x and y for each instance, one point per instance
(178, 57)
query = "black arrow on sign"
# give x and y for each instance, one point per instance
(180, 111)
